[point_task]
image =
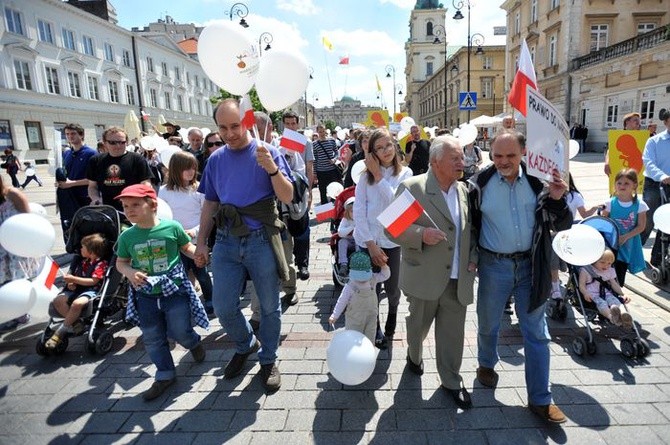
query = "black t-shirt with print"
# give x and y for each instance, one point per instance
(113, 174)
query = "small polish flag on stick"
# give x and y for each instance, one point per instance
(292, 140)
(145, 116)
(325, 212)
(48, 273)
(401, 214)
(247, 112)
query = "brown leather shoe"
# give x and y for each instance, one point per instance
(550, 413)
(487, 377)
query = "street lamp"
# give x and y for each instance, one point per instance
(390, 70)
(311, 71)
(440, 31)
(477, 38)
(241, 10)
(266, 38)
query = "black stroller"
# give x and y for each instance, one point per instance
(660, 267)
(632, 344)
(339, 279)
(109, 301)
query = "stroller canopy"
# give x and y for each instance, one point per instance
(607, 228)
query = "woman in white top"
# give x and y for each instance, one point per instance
(181, 194)
(374, 193)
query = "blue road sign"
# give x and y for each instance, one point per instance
(467, 100)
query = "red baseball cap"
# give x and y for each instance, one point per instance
(138, 191)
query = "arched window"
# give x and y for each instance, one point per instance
(429, 28)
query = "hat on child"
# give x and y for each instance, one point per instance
(349, 200)
(360, 266)
(138, 191)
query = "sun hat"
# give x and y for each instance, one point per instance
(360, 266)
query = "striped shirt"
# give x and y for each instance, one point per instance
(324, 151)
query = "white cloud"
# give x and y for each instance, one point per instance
(360, 43)
(404, 4)
(482, 21)
(300, 7)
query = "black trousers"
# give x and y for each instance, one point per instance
(326, 178)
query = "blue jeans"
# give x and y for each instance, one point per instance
(161, 318)
(498, 279)
(232, 258)
(201, 274)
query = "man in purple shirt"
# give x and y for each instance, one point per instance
(240, 182)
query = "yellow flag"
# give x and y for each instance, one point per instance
(379, 85)
(327, 43)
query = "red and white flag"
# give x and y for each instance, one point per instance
(324, 212)
(247, 112)
(401, 214)
(48, 273)
(292, 140)
(145, 116)
(525, 75)
(344, 60)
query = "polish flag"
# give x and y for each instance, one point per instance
(325, 212)
(145, 116)
(402, 212)
(292, 140)
(344, 60)
(247, 112)
(525, 76)
(48, 273)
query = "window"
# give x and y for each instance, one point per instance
(53, 86)
(533, 11)
(517, 23)
(93, 88)
(88, 45)
(429, 69)
(68, 39)
(46, 33)
(109, 52)
(429, 28)
(197, 105)
(75, 84)
(197, 81)
(555, 4)
(487, 62)
(168, 102)
(113, 91)
(487, 88)
(532, 54)
(188, 78)
(150, 64)
(130, 94)
(647, 109)
(180, 103)
(23, 80)
(153, 98)
(598, 37)
(645, 27)
(612, 115)
(164, 68)
(177, 74)
(552, 50)
(126, 58)
(14, 22)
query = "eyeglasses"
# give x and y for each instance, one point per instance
(217, 143)
(117, 142)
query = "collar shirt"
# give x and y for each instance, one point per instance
(656, 157)
(451, 198)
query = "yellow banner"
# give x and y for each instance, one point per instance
(403, 141)
(625, 151)
(398, 116)
(377, 119)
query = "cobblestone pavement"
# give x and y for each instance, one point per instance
(88, 399)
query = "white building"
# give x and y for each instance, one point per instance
(61, 64)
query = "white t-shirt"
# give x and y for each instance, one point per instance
(186, 206)
(643, 205)
(575, 200)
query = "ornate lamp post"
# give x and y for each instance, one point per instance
(441, 32)
(241, 10)
(266, 38)
(390, 72)
(476, 38)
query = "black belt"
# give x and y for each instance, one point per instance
(508, 256)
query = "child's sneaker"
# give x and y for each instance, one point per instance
(627, 321)
(616, 315)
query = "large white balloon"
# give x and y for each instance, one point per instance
(467, 135)
(37, 209)
(357, 170)
(166, 154)
(163, 211)
(16, 298)
(406, 123)
(333, 189)
(282, 79)
(43, 298)
(580, 245)
(27, 235)
(662, 218)
(351, 357)
(574, 148)
(228, 57)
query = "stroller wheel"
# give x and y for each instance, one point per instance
(101, 344)
(591, 347)
(578, 346)
(642, 347)
(62, 346)
(628, 348)
(40, 348)
(656, 275)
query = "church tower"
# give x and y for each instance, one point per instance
(424, 54)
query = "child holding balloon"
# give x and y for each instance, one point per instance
(630, 214)
(359, 296)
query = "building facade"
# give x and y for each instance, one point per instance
(344, 112)
(595, 60)
(61, 64)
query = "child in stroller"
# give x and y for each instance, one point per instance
(340, 276)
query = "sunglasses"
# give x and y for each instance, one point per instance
(117, 142)
(217, 143)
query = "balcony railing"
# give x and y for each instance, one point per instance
(638, 43)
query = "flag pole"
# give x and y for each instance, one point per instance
(330, 87)
(431, 219)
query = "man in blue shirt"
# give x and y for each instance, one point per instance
(508, 211)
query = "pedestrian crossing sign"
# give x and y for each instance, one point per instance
(467, 100)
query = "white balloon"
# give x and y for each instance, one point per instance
(580, 245)
(662, 218)
(351, 357)
(574, 148)
(357, 170)
(282, 79)
(232, 65)
(163, 211)
(467, 134)
(37, 209)
(44, 297)
(341, 134)
(183, 132)
(456, 132)
(167, 152)
(205, 131)
(27, 235)
(401, 134)
(333, 189)
(16, 298)
(406, 123)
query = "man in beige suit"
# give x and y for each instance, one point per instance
(438, 264)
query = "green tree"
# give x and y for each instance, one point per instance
(275, 116)
(330, 124)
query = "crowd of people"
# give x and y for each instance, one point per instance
(231, 193)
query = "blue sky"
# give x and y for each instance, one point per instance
(372, 32)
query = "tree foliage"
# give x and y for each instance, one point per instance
(330, 124)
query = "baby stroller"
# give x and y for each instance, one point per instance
(338, 278)
(632, 344)
(660, 268)
(109, 300)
